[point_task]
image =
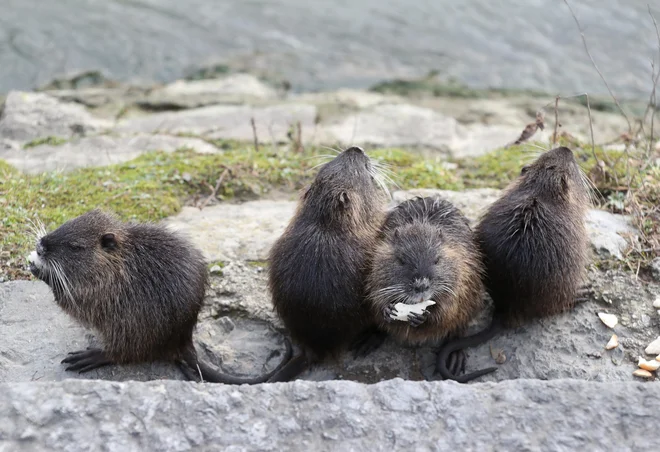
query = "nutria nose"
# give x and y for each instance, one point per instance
(357, 149)
(421, 285)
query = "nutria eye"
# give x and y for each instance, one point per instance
(524, 169)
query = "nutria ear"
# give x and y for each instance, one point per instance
(108, 241)
(524, 169)
(343, 198)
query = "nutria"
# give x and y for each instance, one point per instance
(535, 244)
(427, 251)
(317, 267)
(141, 286)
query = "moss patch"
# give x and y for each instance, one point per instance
(435, 86)
(50, 140)
(158, 184)
(498, 168)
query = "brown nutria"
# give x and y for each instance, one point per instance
(317, 267)
(534, 243)
(141, 286)
(427, 251)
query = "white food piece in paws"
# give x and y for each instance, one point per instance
(402, 310)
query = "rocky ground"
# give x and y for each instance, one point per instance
(63, 130)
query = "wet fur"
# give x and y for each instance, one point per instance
(417, 231)
(317, 267)
(141, 286)
(534, 240)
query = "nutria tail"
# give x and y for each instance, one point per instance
(466, 342)
(211, 375)
(291, 370)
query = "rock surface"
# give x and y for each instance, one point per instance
(655, 268)
(223, 108)
(29, 116)
(239, 331)
(100, 150)
(36, 335)
(235, 88)
(246, 231)
(227, 122)
(302, 416)
(608, 233)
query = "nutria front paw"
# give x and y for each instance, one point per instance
(388, 312)
(415, 320)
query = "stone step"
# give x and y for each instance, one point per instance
(521, 415)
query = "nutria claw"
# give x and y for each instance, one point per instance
(415, 320)
(86, 360)
(388, 311)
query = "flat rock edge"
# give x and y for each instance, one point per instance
(334, 415)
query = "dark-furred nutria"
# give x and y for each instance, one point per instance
(317, 267)
(427, 251)
(534, 243)
(141, 286)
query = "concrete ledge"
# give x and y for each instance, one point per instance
(515, 415)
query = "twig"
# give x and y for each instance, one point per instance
(554, 137)
(586, 48)
(215, 190)
(299, 144)
(254, 134)
(653, 102)
(591, 129)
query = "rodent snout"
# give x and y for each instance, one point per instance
(420, 285)
(357, 149)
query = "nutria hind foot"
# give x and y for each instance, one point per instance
(86, 360)
(584, 293)
(367, 342)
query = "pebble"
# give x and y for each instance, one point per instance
(656, 303)
(216, 269)
(651, 366)
(643, 373)
(653, 348)
(608, 319)
(613, 343)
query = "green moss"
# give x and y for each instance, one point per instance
(158, 184)
(412, 171)
(498, 168)
(50, 140)
(257, 264)
(213, 71)
(432, 85)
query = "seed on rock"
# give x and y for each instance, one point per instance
(656, 303)
(608, 319)
(651, 366)
(654, 347)
(643, 373)
(613, 343)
